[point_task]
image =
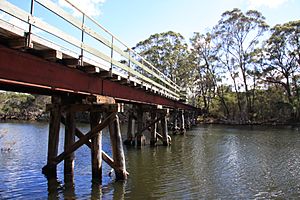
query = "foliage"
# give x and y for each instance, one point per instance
(237, 35)
(169, 53)
(282, 62)
(234, 72)
(22, 106)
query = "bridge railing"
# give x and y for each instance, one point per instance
(119, 59)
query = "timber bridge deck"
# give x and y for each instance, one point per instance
(46, 50)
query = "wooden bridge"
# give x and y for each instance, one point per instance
(46, 50)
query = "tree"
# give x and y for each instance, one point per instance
(238, 35)
(282, 65)
(169, 53)
(204, 56)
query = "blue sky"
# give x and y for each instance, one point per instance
(135, 20)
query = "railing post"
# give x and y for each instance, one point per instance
(111, 55)
(28, 42)
(82, 40)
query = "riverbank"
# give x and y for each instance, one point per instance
(269, 122)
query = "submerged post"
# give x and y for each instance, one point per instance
(50, 170)
(141, 141)
(182, 125)
(153, 138)
(96, 148)
(188, 120)
(175, 127)
(164, 127)
(117, 149)
(130, 130)
(69, 141)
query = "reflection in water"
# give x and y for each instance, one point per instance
(210, 162)
(54, 186)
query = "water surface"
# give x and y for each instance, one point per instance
(209, 162)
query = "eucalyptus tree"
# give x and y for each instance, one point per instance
(238, 34)
(207, 77)
(169, 53)
(282, 65)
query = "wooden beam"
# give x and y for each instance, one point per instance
(17, 43)
(100, 99)
(71, 62)
(51, 55)
(90, 69)
(86, 107)
(105, 74)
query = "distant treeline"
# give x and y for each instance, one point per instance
(241, 71)
(19, 106)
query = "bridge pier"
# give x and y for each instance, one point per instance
(164, 127)
(69, 141)
(188, 120)
(96, 148)
(156, 116)
(140, 138)
(93, 138)
(153, 139)
(130, 130)
(53, 138)
(175, 128)
(182, 122)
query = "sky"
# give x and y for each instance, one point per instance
(135, 20)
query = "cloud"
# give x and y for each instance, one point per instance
(90, 7)
(267, 3)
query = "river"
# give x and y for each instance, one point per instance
(209, 162)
